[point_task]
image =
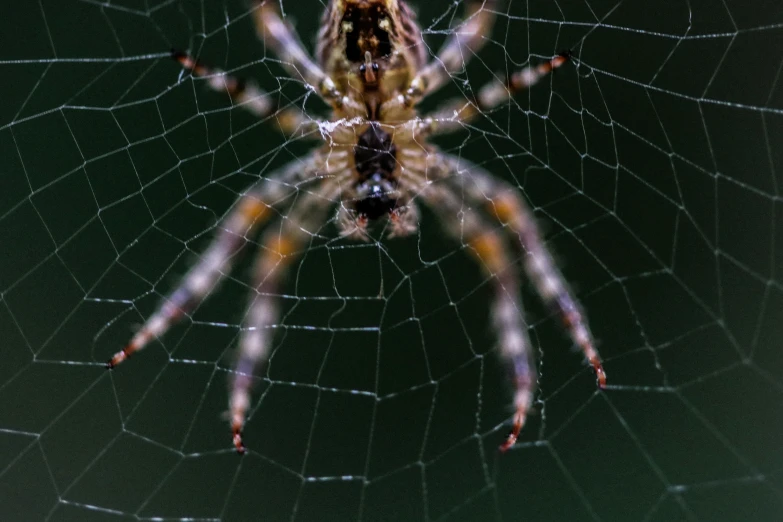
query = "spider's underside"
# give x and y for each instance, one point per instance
(372, 68)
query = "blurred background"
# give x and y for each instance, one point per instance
(652, 161)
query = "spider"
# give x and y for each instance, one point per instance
(371, 67)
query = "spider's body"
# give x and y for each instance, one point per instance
(371, 49)
(373, 68)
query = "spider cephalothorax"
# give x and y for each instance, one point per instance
(372, 70)
(370, 48)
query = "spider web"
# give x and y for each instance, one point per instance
(652, 162)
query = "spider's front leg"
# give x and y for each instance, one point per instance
(279, 36)
(490, 249)
(247, 94)
(278, 249)
(250, 212)
(458, 50)
(454, 114)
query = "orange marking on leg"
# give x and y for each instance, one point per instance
(278, 252)
(253, 209)
(282, 246)
(470, 112)
(288, 120)
(489, 249)
(505, 208)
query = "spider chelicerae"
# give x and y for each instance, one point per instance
(372, 69)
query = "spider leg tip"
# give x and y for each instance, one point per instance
(118, 358)
(566, 54)
(600, 375)
(510, 441)
(238, 444)
(514, 433)
(183, 58)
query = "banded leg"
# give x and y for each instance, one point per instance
(490, 249)
(278, 250)
(250, 212)
(456, 113)
(247, 94)
(505, 203)
(278, 36)
(460, 47)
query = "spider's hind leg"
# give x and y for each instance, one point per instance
(488, 245)
(506, 204)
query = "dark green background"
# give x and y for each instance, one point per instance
(653, 163)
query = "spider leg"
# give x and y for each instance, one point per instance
(490, 249)
(250, 212)
(460, 47)
(279, 249)
(505, 203)
(279, 36)
(246, 94)
(454, 114)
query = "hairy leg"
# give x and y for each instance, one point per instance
(279, 248)
(251, 210)
(247, 94)
(454, 114)
(278, 36)
(505, 203)
(456, 52)
(488, 245)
